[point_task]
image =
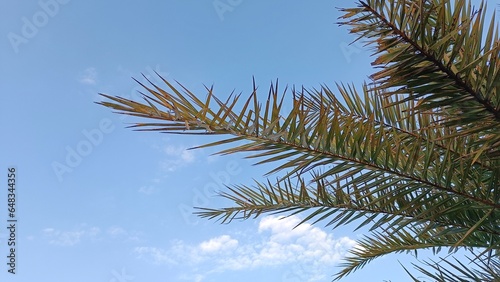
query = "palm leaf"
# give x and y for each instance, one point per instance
(413, 156)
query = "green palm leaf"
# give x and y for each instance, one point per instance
(413, 156)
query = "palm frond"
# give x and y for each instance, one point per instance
(413, 156)
(366, 160)
(479, 268)
(439, 54)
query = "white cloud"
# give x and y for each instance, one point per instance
(89, 76)
(177, 156)
(307, 242)
(117, 232)
(279, 244)
(84, 233)
(70, 238)
(218, 244)
(181, 152)
(158, 256)
(147, 190)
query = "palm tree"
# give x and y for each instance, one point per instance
(414, 154)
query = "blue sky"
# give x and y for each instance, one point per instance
(99, 202)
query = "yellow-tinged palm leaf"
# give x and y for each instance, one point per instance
(414, 156)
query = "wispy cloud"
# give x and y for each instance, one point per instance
(147, 190)
(157, 255)
(89, 76)
(278, 244)
(177, 156)
(72, 237)
(118, 233)
(83, 233)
